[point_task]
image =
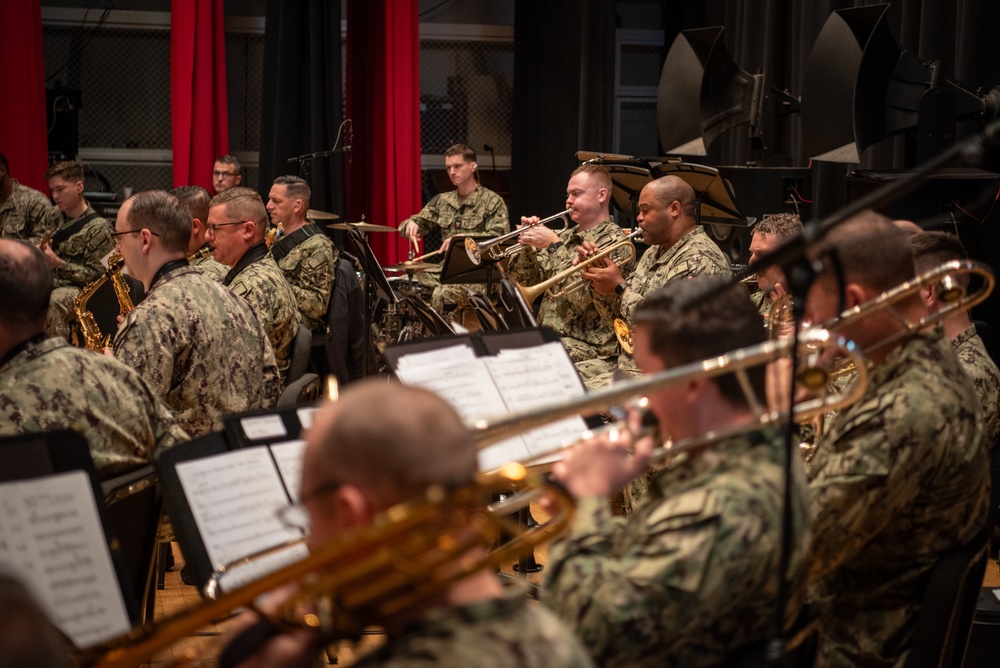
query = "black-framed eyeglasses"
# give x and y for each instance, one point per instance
(296, 516)
(212, 228)
(117, 236)
(220, 175)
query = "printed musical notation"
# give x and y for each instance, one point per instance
(288, 457)
(51, 538)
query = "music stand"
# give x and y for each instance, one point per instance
(458, 267)
(376, 286)
(714, 200)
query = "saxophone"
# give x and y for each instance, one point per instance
(93, 339)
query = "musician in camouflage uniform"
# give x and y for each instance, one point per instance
(196, 343)
(470, 209)
(80, 242)
(902, 476)
(768, 234)
(25, 213)
(931, 250)
(197, 199)
(237, 220)
(691, 577)
(678, 248)
(585, 329)
(474, 620)
(48, 384)
(303, 252)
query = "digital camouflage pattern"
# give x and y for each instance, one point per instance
(583, 318)
(200, 348)
(694, 254)
(52, 385)
(27, 215)
(985, 378)
(901, 478)
(508, 632)
(264, 288)
(762, 302)
(309, 268)
(81, 254)
(692, 574)
(482, 213)
(206, 264)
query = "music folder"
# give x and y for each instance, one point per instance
(458, 267)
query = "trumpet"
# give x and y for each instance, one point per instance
(369, 575)
(531, 293)
(475, 249)
(493, 430)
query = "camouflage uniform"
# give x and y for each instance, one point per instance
(81, 256)
(27, 214)
(985, 377)
(691, 575)
(203, 261)
(51, 385)
(693, 255)
(309, 268)
(263, 286)
(763, 302)
(508, 632)
(901, 478)
(582, 317)
(482, 213)
(200, 348)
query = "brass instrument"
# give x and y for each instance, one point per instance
(203, 253)
(532, 292)
(475, 249)
(274, 234)
(490, 431)
(93, 338)
(624, 335)
(373, 573)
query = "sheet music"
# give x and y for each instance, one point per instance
(258, 568)
(52, 539)
(234, 498)
(288, 457)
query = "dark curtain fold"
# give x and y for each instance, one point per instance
(199, 115)
(383, 84)
(22, 113)
(303, 103)
(563, 93)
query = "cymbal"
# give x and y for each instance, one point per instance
(364, 227)
(316, 214)
(412, 266)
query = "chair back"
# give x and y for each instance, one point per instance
(304, 390)
(301, 348)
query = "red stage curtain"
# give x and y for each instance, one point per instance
(383, 101)
(22, 113)
(199, 117)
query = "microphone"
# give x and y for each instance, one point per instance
(350, 141)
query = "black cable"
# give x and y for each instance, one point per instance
(90, 35)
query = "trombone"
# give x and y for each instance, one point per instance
(531, 293)
(475, 249)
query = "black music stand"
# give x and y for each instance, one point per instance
(714, 200)
(459, 268)
(376, 286)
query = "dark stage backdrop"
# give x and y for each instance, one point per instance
(303, 103)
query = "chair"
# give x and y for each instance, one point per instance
(301, 348)
(303, 390)
(342, 350)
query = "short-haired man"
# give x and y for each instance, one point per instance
(46, 384)
(81, 240)
(237, 222)
(227, 173)
(678, 248)
(25, 213)
(197, 199)
(196, 343)
(930, 250)
(473, 621)
(470, 209)
(768, 234)
(902, 476)
(583, 319)
(303, 252)
(691, 577)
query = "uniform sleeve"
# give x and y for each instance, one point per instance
(94, 244)
(140, 346)
(311, 281)
(40, 217)
(495, 219)
(426, 219)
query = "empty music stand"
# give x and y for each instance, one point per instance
(714, 201)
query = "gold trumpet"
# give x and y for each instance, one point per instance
(531, 293)
(493, 430)
(475, 249)
(367, 576)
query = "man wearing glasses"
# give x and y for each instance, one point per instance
(237, 221)
(226, 174)
(194, 342)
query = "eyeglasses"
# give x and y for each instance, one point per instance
(212, 228)
(117, 236)
(223, 175)
(296, 516)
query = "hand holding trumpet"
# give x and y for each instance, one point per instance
(535, 235)
(603, 275)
